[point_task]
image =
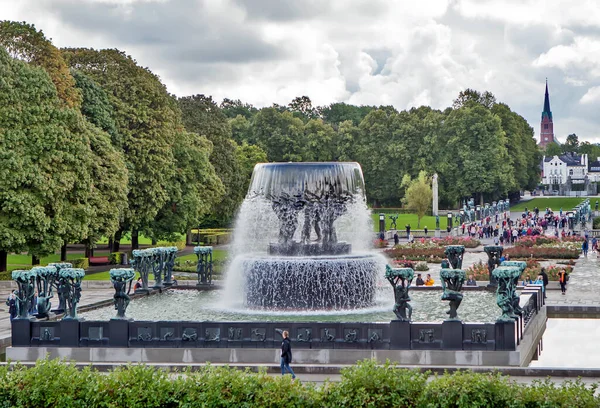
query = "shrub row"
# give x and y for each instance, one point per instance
(56, 384)
(80, 263)
(416, 254)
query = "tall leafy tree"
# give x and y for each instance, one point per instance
(147, 122)
(23, 41)
(321, 141)
(382, 154)
(302, 108)
(571, 145)
(337, 113)
(553, 149)
(477, 144)
(108, 200)
(279, 134)
(241, 129)
(201, 115)
(46, 157)
(232, 108)
(418, 196)
(248, 156)
(194, 190)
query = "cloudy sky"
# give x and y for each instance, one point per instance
(404, 53)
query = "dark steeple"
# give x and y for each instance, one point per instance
(547, 112)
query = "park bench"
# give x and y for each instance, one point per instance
(99, 260)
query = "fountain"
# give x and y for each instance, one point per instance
(301, 239)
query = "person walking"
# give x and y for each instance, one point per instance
(563, 278)
(544, 276)
(396, 238)
(584, 247)
(286, 354)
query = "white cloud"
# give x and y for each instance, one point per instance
(591, 96)
(357, 51)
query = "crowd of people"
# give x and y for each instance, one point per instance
(506, 231)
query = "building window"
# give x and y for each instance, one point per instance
(545, 126)
(570, 172)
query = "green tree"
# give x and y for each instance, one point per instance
(523, 153)
(337, 113)
(381, 151)
(194, 190)
(46, 157)
(248, 156)
(553, 149)
(592, 150)
(241, 129)
(96, 106)
(201, 115)
(476, 145)
(418, 196)
(279, 134)
(302, 108)
(234, 108)
(147, 120)
(321, 141)
(468, 97)
(24, 42)
(108, 195)
(572, 144)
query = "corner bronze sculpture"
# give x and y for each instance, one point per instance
(452, 281)
(62, 301)
(142, 263)
(494, 252)
(46, 276)
(401, 279)
(516, 299)
(121, 280)
(70, 285)
(26, 283)
(455, 254)
(506, 290)
(205, 264)
(170, 255)
(157, 261)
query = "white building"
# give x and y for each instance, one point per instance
(556, 169)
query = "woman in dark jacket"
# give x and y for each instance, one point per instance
(286, 354)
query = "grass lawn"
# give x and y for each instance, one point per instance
(20, 261)
(556, 203)
(411, 219)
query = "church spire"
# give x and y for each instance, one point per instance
(547, 127)
(547, 110)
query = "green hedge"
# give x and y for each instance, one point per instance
(115, 258)
(51, 383)
(80, 263)
(596, 223)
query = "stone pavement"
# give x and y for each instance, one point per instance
(583, 287)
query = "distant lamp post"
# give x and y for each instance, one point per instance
(381, 223)
(198, 235)
(449, 227)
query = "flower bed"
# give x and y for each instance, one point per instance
(467, 242)
(542, 252)
(480, 272)
(405, 252)
(544, 240)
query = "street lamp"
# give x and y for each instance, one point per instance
(381, 223)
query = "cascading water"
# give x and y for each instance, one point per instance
(302, 238)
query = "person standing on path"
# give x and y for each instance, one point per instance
(544, 276)
(286, 354)
(563, 279)
(407, 231)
